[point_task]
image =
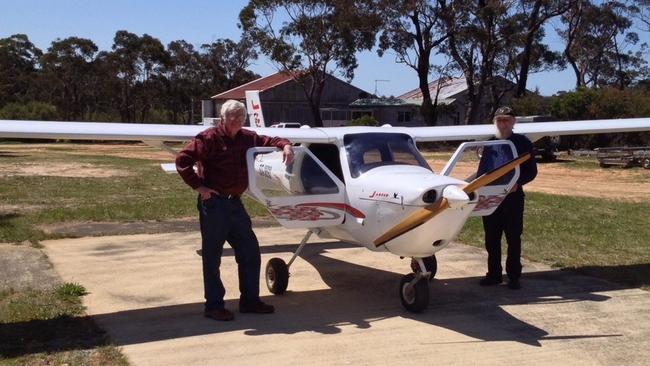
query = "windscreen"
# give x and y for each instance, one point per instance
(371, 150)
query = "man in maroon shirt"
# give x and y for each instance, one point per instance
(221, 177)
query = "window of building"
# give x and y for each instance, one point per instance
(333, 115)
(403, 116)
(359, 114)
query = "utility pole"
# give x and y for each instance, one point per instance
(378, 80)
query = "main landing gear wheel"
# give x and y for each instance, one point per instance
(431, 264)
(277, 276)
(415, 297)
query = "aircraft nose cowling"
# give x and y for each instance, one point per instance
(455, 196)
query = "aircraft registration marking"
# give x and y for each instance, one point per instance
(488, 202)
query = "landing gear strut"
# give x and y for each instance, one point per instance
(277, 271)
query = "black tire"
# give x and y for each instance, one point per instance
(430, 263)
(277, 276)
(417, 299)
(646, 163)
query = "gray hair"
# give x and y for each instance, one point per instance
(232, 106)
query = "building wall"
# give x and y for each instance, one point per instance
(288, 103)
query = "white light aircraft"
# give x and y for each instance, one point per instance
(364, 185)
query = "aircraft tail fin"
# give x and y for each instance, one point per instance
(254, 108)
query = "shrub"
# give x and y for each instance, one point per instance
(29, 111)
(363, 121)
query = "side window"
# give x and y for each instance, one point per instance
(302, 177)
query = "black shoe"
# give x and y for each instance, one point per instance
(514, 285)
(258, 308)
(219, 314)
(490, 281)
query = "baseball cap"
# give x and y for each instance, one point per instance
(504, 111)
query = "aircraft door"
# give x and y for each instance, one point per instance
(304, 194)
(473, 159)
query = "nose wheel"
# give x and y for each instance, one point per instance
(414, 292)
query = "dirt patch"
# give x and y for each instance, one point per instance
(75, 170)
(619, 184)
(137, 151)
(6, 209)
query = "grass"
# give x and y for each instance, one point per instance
(40, 327)
(607, 238)
(147, 194)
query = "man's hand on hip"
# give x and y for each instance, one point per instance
(206, 192)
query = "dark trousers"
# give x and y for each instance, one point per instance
(508, 219)
(226, 219)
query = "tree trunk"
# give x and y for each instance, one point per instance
(533, 26)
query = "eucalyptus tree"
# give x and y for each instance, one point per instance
(183, 76)
(599, 46)
(531, 54)
(226, 63)
(18, 68)
(478, 34)
(311, 39)
(138, 62)
(67, 67)
(413, 30)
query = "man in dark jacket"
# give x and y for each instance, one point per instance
(509, 217)
(221, 176)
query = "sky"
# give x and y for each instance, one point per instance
(199, 22)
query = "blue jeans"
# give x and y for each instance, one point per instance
(224, 219)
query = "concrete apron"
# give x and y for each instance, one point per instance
(342, 307)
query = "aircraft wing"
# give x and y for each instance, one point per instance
(534, 131)
(134, 131)
(169, 132)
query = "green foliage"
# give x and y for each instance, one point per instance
(604, 103)
(363, 121)
(573, 105)
(139, 80)
(70, 289)
(531, 105)
(317, 37)
(29, 111)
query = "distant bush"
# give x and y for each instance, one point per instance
(29, 111)
(363, 121)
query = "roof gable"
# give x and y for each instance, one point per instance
(260, 84)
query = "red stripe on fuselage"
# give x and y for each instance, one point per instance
(341, 206)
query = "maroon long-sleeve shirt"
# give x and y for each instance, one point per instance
(221, 160)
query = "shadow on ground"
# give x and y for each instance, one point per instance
(457, 304)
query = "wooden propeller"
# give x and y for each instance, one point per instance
(425, 214)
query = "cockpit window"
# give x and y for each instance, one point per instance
(371, 150)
